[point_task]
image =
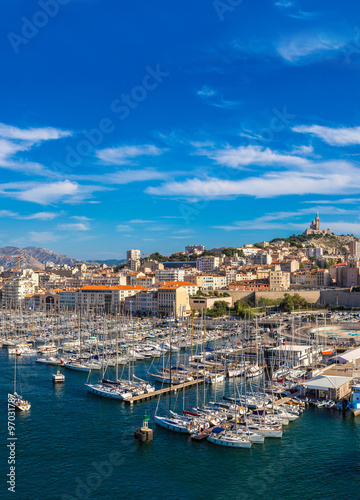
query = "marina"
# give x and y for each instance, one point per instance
(259, 394)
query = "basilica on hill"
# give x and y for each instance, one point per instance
(315, 227)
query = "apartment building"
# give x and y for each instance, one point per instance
(67, 299)
(173, 300)
(133, 257)
(279, 281)
(208, 281)
(15, 289)
(101, 298)
(170, 274)
(207, 264)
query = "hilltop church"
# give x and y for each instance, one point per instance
(315, 226)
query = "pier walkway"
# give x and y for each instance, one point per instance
(165, 390)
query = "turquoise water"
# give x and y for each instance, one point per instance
(74, 445)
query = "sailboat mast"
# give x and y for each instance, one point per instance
(15, 374)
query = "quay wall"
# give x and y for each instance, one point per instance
(340, 298)
(335, 298)
(311, 296)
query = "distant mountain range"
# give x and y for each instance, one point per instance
(33, 258)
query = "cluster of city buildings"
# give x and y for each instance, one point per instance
(147, 287)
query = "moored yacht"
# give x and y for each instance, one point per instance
(229, 438)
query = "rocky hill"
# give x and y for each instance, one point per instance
(32, 257)
(332, 244)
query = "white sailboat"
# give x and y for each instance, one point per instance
(15, 399)
(232, 439)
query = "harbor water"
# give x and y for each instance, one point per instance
(75, 445)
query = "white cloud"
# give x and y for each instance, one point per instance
(322, 178)
(286, 220)
(7, 213)
(214, 98)
(47, 193)
(40, 216)
(140, 221)
(77, 226)
(206, 91)
(14, 140)
(82, 218)
(342, 201)
(303, 150)
(292, 9)
(340, 136)
(243, 156)
(123, 227)
(303, 47)
(32, 135)
(124, 154)
(124, 176)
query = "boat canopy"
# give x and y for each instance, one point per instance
(217, 430)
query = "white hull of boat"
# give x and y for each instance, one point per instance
(171, 425)
(230, 441)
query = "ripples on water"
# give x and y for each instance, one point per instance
(68, 433)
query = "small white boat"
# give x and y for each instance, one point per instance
(172, 424)
(48, 349)
(18, 403)
(231, 439)
(215, 378)
(254, 437)
(354, 401)
(254, 371)
(267, 431)
(51, 360)
(108, 392)
(82, 367)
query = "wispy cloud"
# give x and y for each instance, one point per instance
(206, 91)
(48, 193)
(342, 201)
(40, 216)
(140, 221)
(77, 226)
(81, 218)
(123, 227)
(305, 47)
(341, 136)
(125, 154)
(336, 177)
(285, 220)
(14, 140)
(291, 8)
(215, 98)
(32, 135)
(124, 176)
(243, 156)
(7, 213)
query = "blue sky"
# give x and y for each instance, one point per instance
(154, 125)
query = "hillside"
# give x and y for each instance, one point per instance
(32, 257)
(332, 244)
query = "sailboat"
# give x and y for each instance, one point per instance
(172, 422)
(15, 400)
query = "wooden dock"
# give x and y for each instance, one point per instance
(165, 390)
